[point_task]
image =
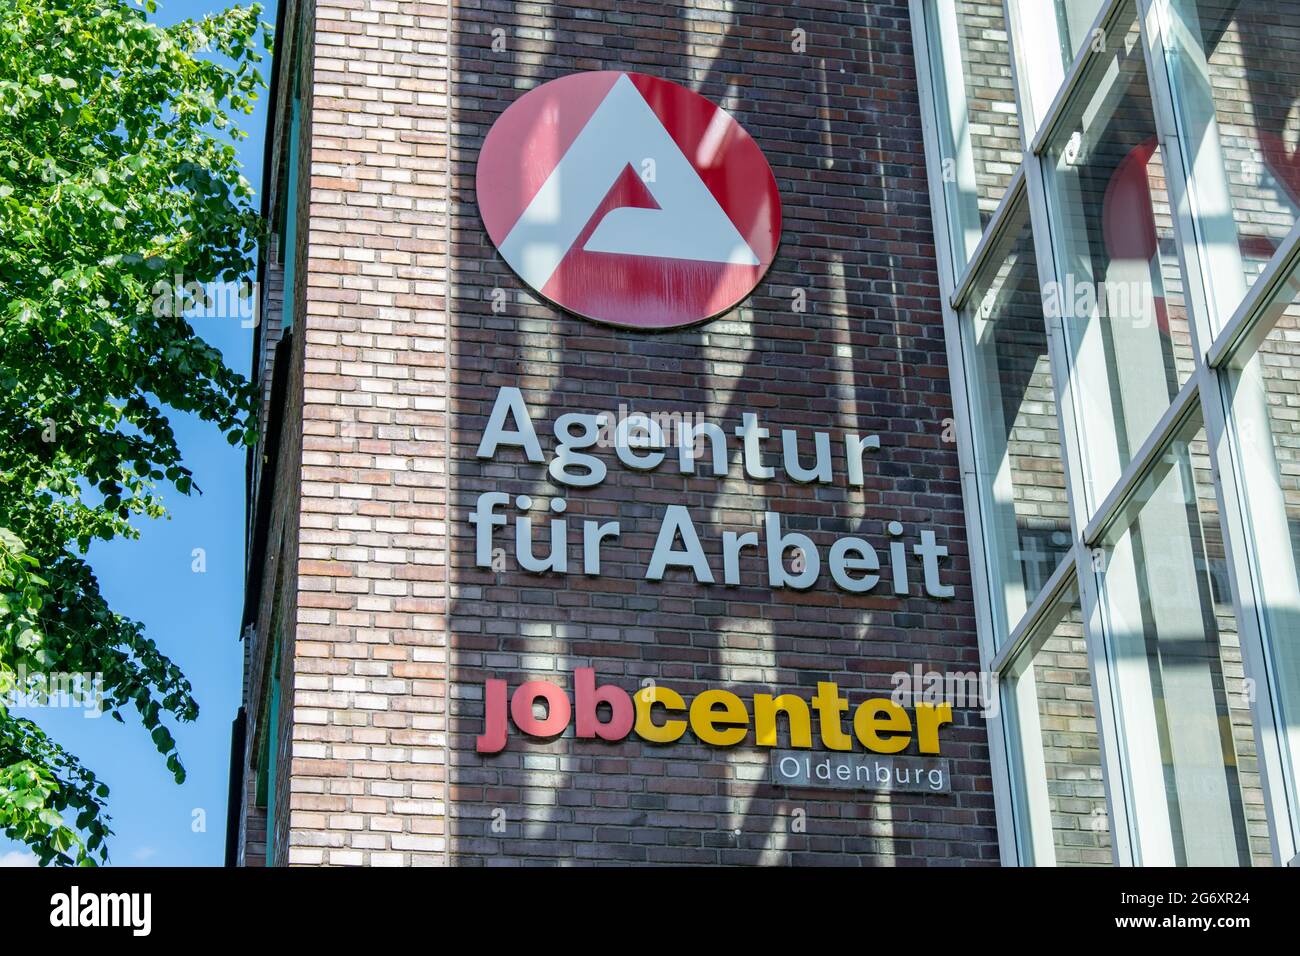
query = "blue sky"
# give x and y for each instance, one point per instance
(193, 617)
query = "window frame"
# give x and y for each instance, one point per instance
(1215, 347)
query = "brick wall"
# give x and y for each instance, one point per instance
(368, 666)
(388, 629)
(392, 629)
(840, 125)
(279, 604)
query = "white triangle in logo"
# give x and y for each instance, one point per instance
(689, 223)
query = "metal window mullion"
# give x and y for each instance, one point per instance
(1083, 61)
(1251, 323)
(1028, 636)
(990, 241)
(1215, 416)
(1196, 176)
(1076, 490)
(1247, 606)
(1195, 293)
(1021, 67)
(1045, 256)
(1125, 848)
(1072, 459)
(1015, 681)
(998, 757)
(1113, 505)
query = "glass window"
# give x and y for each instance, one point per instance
(1266, 413)
(289, 236)
(1182, 706)
(272, 758)
(1235, 73)
(1060, 798)
(1021, 481)
(979, 135)
(1074, 20)
(1043, 65)
(270, 753)
(1118, 292)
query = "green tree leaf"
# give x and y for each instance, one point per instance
(117, 171)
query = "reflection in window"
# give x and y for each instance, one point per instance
(1074, 20)
(1021, 481)
(1043, 64)
(1060, 797)
(1235, 72)
(1118, 292)
(1182, 704)
(979, 136)
(1266, 412)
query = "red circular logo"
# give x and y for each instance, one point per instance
(628, 200)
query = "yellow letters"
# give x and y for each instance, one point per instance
(704, 717)
(646, 728)
(880, 714)
(830, 705)
(721, 718)
(929, 719)
(795, 708)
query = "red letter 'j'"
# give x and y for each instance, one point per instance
(493, 738)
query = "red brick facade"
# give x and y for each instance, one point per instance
(400, 344)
